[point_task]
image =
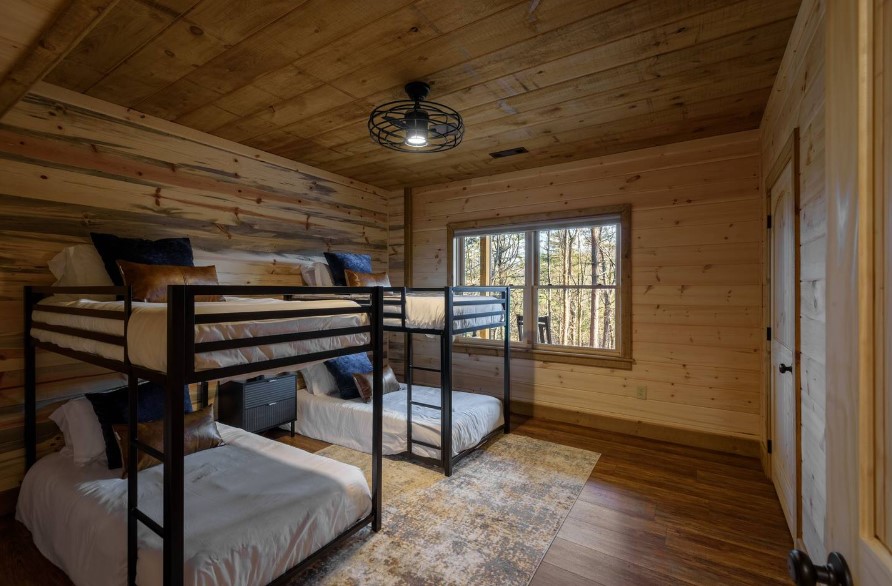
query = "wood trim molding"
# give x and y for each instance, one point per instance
(526, 219)
(559, 355)
(788, 154)
(407, 236)
(66, 30)
(743, 446)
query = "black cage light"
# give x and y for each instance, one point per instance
(416, 125)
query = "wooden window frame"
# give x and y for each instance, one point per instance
(619, 358)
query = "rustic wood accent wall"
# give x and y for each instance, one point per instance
(797, 100)
(697, 229)
(71, 164)
(397, 269)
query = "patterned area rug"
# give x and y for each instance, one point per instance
(489, 524)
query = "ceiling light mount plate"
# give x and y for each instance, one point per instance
(416, 125)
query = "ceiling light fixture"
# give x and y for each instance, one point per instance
(416, 125)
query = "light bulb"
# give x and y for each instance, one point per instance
(416, 138)
(416, 123)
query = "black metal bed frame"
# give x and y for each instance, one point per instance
(181, 351)
(453, 297)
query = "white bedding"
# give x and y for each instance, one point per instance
(254, 508)
(349, 423)
(147, 331)
(428, 311)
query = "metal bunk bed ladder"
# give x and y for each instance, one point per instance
(447, 461)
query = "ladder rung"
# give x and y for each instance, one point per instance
(428, 405)
(149, 450)
(425, 368)
(148, 522)
(425, 444)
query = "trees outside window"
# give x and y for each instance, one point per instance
(568, 286)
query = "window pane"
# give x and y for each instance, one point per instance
(584, 318)
(471, 261)
(578, 256)
(505, 257)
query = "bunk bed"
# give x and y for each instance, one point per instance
(447, 312)
(419, 419)
(197, 342)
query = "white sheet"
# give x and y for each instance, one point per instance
(428, 311)
(147, 331)
(254, 508)
(349, 423)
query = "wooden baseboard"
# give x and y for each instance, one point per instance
(687, 437)
(8, 499)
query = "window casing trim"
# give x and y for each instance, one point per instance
(621, 356)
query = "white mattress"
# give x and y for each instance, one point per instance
(428, 311)
(254, 508)
(349, 423)
(147, 331)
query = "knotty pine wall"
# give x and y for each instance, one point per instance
(70, 164)
(697, 228)
(797, 100)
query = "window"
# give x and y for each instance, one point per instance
(570, 296)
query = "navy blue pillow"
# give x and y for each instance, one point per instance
(339, 262)
(343, 368)
(111, 408)
(167, 251)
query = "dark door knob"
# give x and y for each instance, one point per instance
(805, 573)
(784, 368)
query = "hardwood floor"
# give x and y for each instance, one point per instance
(651, 513)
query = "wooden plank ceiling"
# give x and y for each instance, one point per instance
(567, 79)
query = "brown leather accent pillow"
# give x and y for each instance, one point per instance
(365, 380)
(355, 279)
(199, 434)
(150, 282)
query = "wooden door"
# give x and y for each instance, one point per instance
(783, 376)
(859, 195)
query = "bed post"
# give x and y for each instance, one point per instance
(173, 433)
(30, 383)
(506, 367)
(446, 384)
(377, 317)
(131, 439)
(132, 485)
(408, 363)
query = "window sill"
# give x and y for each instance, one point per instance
(559, 356)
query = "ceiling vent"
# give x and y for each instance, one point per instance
(508, 153)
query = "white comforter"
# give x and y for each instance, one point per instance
(428, 311)
(349, 423)
(147, 331)
(254, 508)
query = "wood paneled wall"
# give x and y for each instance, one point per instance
(797, 100)
(70, 165)
(697, 229)
(397, 269)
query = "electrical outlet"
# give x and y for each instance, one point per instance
(641, 391)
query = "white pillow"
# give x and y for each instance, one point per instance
(81, 429)
(79, 266)
(316, 275)
(319, 380)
